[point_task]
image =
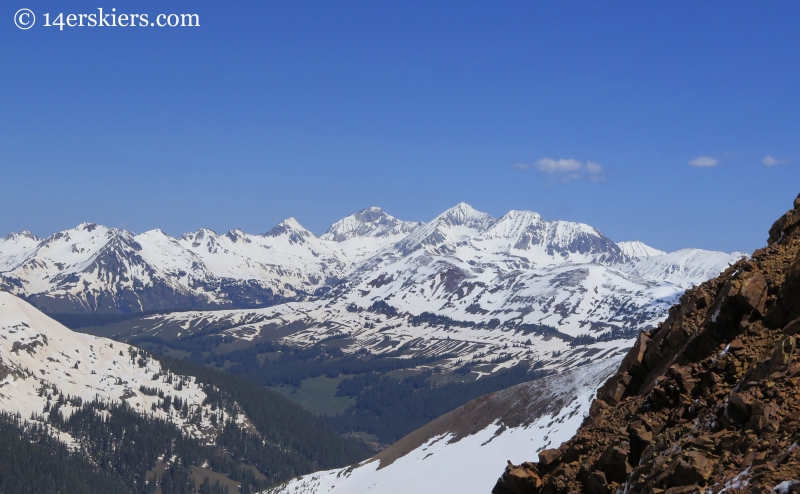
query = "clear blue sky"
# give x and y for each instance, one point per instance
(318, 109)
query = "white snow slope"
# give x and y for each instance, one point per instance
(452, 455)
(39, 356)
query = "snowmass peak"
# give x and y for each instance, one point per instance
(462, 214)
(369, 222)
(457, 223)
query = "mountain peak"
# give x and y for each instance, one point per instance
(369, 222)
(24, 234)
(236, 234)
(637, 250)
(464, 214)
(291, 227)
(199, 235)
(89, 227)
(453, 225)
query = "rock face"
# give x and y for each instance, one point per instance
(707, 402)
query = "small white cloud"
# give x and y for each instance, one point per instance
(772, 161)
(565, 170)
(549, 165)
(704, 162)
(594, 168)
(595, 172)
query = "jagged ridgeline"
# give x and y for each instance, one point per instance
(707, 402)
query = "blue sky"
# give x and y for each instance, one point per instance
(584, 111)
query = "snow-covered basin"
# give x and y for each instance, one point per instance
(452, 455)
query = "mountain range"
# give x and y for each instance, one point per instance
(456, 300)
(486, 293)
(481, 293)
(95, 269)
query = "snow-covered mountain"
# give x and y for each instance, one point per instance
(460, 451)
(479, 289)
(41, 360)
(485, 292)
(370, 222)
(498, 281)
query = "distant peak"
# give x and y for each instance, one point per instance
(235, 235)
(203, 232)
(290, 226)
(463, 214)
(369, 222)
(371, 214)
(197, 237)
(89, 227)
(23, 234)
(462, 206)
(636, 249)
(291, 223)
(521, 214)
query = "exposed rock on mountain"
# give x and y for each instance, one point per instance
(708, 401)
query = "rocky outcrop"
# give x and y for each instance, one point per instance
(708, 401)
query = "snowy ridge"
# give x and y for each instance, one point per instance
(460, 451)
(637, 249)
(684, 268)
(38, 356)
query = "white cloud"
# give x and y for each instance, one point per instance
(595, 171)
(565, 170)
(549, 165)
(772, 161)
(704, 162)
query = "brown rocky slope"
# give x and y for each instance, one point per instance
(707, 402)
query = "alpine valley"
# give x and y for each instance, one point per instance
(239, 361)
